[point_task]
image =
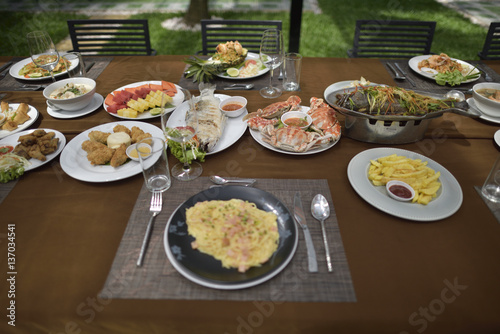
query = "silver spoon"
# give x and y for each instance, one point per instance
(239, 86)
(220, 180)
(321, 210)
(396, 73)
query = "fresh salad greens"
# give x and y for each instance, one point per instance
(455, 77)
(12, 166)
(192, 152)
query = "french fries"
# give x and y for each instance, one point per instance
(415, 172)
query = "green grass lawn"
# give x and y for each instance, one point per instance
(329, 34)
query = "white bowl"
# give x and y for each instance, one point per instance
(75, 103)
(397, 196)
(487, 106)
(296, 114)
(133, 147)
(240, 100)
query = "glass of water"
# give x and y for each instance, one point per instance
(152, 154)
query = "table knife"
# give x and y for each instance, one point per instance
(89, 66)
(298, 213)
(404, 73)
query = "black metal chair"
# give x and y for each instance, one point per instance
(491, 47)
(111, 37)
(392, 39)
(247, 32)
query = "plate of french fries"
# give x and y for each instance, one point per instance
(438, 194)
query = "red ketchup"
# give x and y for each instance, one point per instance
(400, 191)
(6, 149)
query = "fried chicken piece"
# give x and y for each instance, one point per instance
(122, 128)
(90, 146)
(120, 156)
(100, 156)
(135, 133)
(22, 151)
(47, 136)
(48, 146)
(99, 136)
(9, 126)
(40, 133)
(21, 114)
(36, 153)
(27, 140)
(144, 136)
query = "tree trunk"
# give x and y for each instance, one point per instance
(198, 9)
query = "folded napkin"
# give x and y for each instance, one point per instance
(158, 279)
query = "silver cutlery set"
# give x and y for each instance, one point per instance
(402, 76)
(319, 209)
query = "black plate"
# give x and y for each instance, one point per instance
(205, 270)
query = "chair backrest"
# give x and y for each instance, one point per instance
(392, 39)
(247, 32)
(111, 37)
(491, 47)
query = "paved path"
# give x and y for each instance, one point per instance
(481, 12)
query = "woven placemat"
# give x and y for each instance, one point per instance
(5, 189)
(426, 84)
(258, 82)
(9, 83)
(158, 279)
(494, 207)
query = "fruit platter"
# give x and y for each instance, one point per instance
(142, 100)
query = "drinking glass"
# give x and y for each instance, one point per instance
(182, 130)
(43, 51)
(152, 155)
(74, 64)
(271, 55)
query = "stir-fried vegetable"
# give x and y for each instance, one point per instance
(11, 167)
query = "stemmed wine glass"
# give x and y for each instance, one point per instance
(182, 129)
(43, 51)
(271, 55)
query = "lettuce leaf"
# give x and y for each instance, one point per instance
(11, 173)
(192, 152)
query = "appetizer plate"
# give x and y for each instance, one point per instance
(250, 55)
(258, 138)
(448, 201)
(496, 137)
(472, 104)
(204, 269)
(74, 160)
(234, 129)
(32, 113)
(63, 114)
(12, 141)
(430, 73)
(14, 70)
(177, 99)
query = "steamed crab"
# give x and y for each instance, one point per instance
(292, 138)
(324, 120)
(274, 110)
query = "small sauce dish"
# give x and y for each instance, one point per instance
(233, 106)
(296, 118)
(400, 190)
(144, 148)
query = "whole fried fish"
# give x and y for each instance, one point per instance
(211, 120)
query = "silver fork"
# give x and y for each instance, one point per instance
(155, 208)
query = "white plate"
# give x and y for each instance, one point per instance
(430, 73)
(32, 113)
(63, 114)
(447, 202)
(250, 55)
(472, 104)
(12, 141)
(74, 160)
(258, 138)
(14, 70)
(234, 129)
(177, 99)
(496, 137)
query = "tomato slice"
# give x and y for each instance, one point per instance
(6, 149)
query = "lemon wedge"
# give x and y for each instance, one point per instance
(233, 72)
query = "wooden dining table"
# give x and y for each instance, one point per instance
(409, 277)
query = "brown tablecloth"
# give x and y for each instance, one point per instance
(437, 277)
(158, 279)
